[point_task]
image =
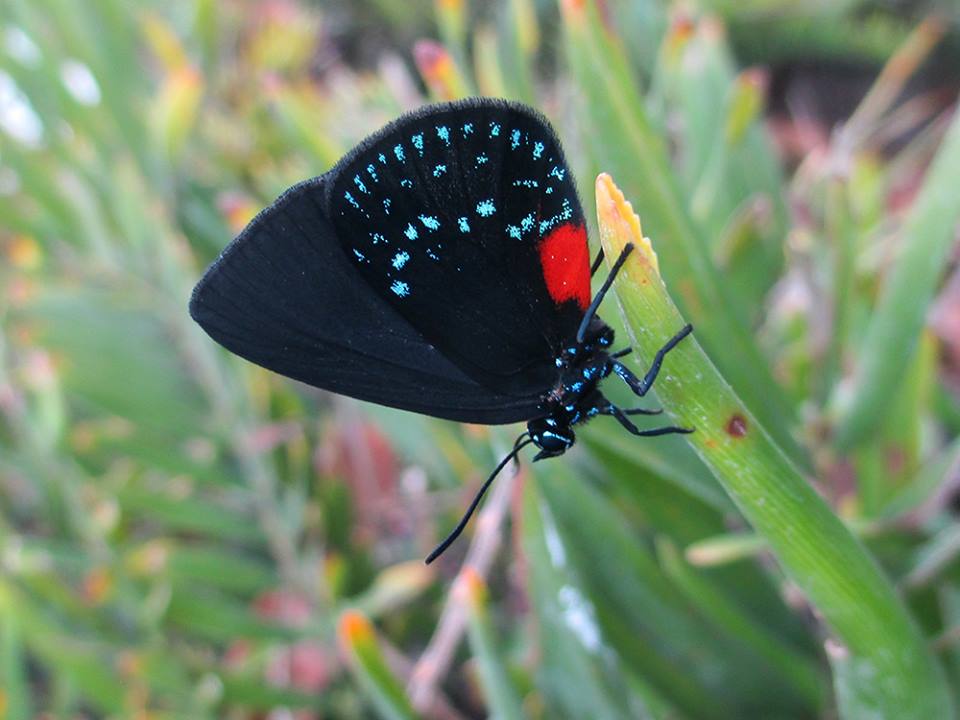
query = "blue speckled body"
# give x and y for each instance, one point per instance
(576, 397)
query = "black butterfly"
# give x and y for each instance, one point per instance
(441, 267)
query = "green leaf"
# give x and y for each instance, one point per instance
(669, 459)
(501, 695)
(394, 587)
(649, 619)
(896, 323)
(625, 142)
(370, 668)
(138, 378)
(220, 568)
(14, 688)
(794, 670)
(924, 486)
(213, 616)
(189, 514)
(580, 680)
(934, 556)
(256, 694)
(881, 640)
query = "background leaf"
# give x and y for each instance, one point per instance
(181, 533)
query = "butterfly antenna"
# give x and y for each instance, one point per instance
(442, 547)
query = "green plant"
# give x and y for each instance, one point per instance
(184, 535)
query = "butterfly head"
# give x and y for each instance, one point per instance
(552, 437)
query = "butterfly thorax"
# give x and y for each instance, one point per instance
(575, 397)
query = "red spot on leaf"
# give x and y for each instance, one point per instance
(737, 425)
(565, 260)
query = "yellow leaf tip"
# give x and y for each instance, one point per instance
(470, 586)
(619, 223)
(354, 628)
(438, 69)
(573, 10)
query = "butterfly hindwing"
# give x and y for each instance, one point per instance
(464, 219)
(284, 295)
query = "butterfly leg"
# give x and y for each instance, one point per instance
(641, 386)
(621, 353)
(622, 418)
(632, 411)
(592, 310)
(596, 263)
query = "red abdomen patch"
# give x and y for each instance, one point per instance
(565, 260)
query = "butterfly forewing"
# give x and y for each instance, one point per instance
(464, 219)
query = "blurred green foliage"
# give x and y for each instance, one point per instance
(183, 535)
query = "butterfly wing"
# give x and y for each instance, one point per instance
(285, 296)
(464, 218)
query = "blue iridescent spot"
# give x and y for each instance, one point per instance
(398, 151)
(527, 223)
(467, 128)
(526, 183)
(360, 256)
(514, 139)
(359, 183)
(537, 150)
(558, 172)
(386, 205)
(549, 191)
(400, 288)
(382, 158)
(372, 171)
(482, 159)
(431, 254)
(350, 199)
(443, 132)
(411, 231)
(556, 436)
(406, 182)
(439, 170)
(486, 208)
(565, 214)
(464, 225)
(494, 129)
(429, 222)
(400, 259)
(377, 238)
(417, 141)
(513, 231)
